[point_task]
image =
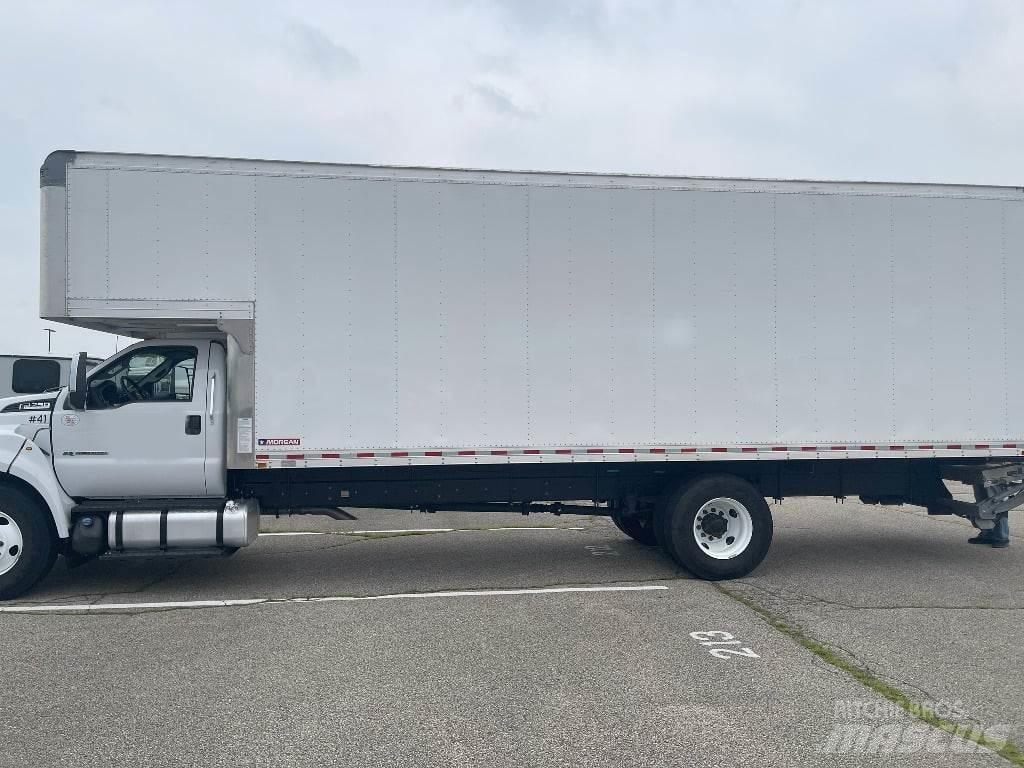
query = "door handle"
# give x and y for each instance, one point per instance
(193, 424)
(213, 394)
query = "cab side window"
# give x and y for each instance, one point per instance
(152, 374)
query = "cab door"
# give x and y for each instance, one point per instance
(142, 432)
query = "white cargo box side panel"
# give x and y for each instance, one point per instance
(325, 362)
(551, 292)
(714, 316)
(610, 315)
(385, 330)
(473, 315)
(156, 234)
(1012, 227)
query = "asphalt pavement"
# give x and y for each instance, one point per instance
(474, 639)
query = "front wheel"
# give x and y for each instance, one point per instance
(28, 546)
(717, 527)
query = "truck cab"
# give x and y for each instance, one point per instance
(130, 456)
(151, 424)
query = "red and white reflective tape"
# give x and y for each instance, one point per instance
(494, 455)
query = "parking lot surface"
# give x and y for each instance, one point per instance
(474, 639)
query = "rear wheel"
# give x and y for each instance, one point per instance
(716, 527)
(28, 544)
(639, 526)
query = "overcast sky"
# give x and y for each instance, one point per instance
(904, 91)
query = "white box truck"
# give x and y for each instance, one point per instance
(667, 351)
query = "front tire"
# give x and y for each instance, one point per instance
(716, 527)
(28, 543)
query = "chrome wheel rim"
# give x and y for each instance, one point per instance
(11, 543)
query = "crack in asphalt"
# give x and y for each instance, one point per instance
(847, 662)
(810, 601)
(352, 541)
(932, 607)
(785, 604)
(374, 536)
(94, 597)
(803, 598)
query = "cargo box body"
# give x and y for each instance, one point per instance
(424, 316)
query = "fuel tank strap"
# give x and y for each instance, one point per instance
(163, 528)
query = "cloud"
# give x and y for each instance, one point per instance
(499, 101)
(584, 18)
(313, 47)
(912, 91)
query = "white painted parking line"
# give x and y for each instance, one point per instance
(428, 530)
(342, 532)
(329, 599)
(530, 528)
(481, 593)
(126, 606)
(406, 530)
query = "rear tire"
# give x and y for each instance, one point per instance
(639, 527)
(28, 543)
(716, 527)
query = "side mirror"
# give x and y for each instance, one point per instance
(78, 385)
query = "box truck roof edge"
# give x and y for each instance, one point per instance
(53, 172)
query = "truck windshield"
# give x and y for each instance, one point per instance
(152, 374)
